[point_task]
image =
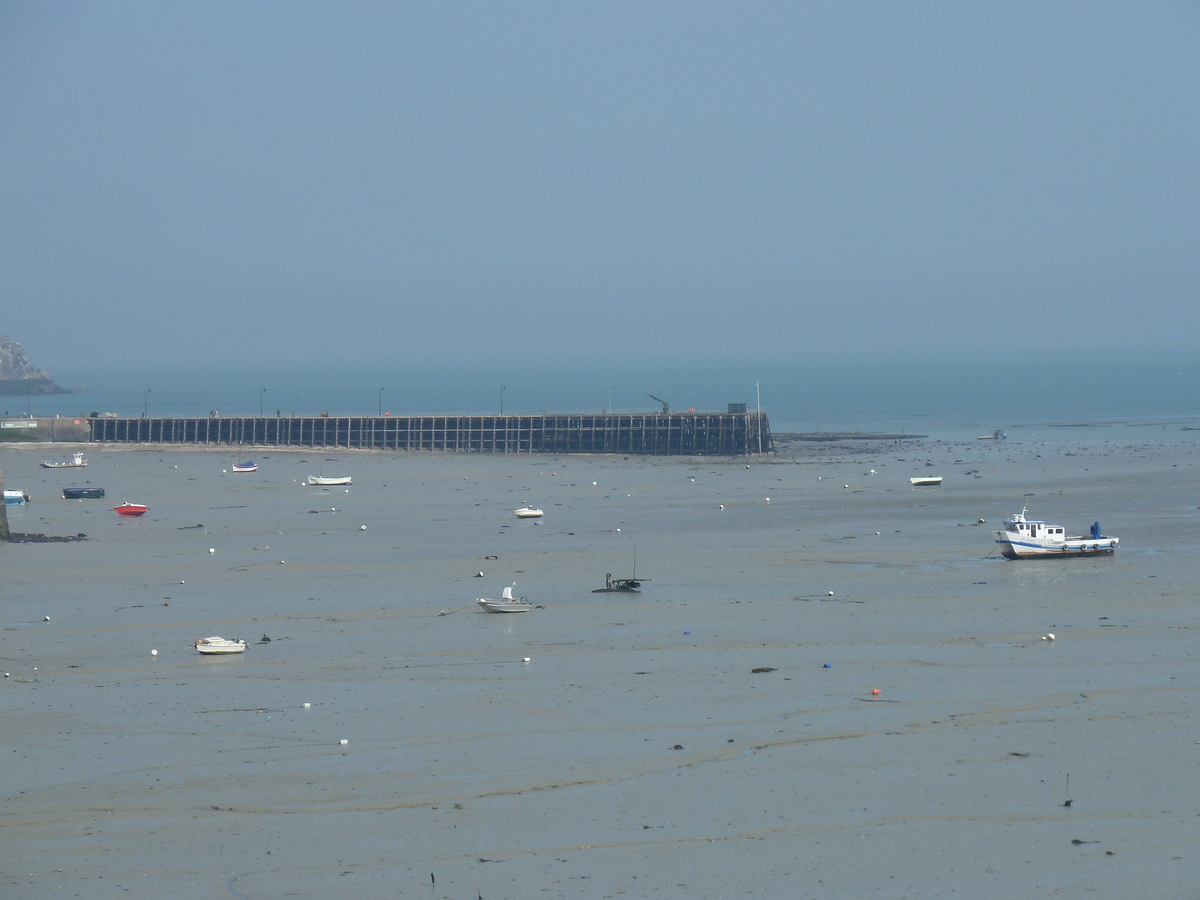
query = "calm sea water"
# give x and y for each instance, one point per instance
(949, 399)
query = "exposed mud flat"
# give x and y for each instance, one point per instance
(637, 752)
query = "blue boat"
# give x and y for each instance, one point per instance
(83, 493)
(16, 498)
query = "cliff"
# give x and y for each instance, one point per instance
(18, 377)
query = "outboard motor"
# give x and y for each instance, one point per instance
(1095, 530)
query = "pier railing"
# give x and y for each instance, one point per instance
(673, 434)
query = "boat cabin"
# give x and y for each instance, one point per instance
(1035, 530)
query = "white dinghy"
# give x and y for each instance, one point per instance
(506, 604)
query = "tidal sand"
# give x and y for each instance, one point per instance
(636, 753)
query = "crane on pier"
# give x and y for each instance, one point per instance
(666, 405)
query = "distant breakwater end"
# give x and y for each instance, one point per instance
(654, 434)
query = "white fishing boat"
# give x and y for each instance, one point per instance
(212, 646)
(328, 480)
(16, 498)
(528, 512)
(1033, 539)
(925, 480)
(76, 462)
(506, 604)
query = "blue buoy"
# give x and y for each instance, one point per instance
(687, 632)
(827, 666)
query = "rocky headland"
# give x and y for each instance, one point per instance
(18, 377)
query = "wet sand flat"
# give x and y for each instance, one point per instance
(636, 753)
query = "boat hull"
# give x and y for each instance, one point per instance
(327, 481)
(248, 467)
(15, 498)
(528, 512)
(83, 493)
(505, 606)
(130, 509)
(929, 481)
(1016, 548)
(219, 646)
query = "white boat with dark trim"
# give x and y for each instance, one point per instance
(528, 512)
(925, 480)
(328, 480)
(212, 646)
(506, 604)
(76, 462)
(1033, 539)
(244, 467)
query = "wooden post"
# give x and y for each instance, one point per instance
(3, 512)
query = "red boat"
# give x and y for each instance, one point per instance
(131, 509)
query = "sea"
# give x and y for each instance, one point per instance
(950, 397)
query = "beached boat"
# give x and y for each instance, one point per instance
(216, 645)
(506, 604)
(528, 512)
(83, 493)
(76, 462)
(925, 480)
(130, 509)
(328, 480)
(1033, 539)
(245, 467)
(16, 498)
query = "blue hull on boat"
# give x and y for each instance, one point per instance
(83, 493)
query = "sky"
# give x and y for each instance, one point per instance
(352, 183)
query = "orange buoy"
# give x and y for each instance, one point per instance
(874, 692)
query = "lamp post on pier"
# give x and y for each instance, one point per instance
(260, 401)
(381, 400)
(502, 387)
(145, 402)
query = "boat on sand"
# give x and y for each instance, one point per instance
(528, 512)
(130, 509)
(83, 493)
(76, 462)
(506, 604)
(245, 467)
(1024, 538)
(925, 480)
(16, 498)
(328, 480)
(213, 646)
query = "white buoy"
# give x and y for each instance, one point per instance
(362, 527)
(308, 706)
(722, 506)
(768, 500)
(831, 593)
(593, 484)
(212, 549)
(154, 653)
(845, 485)
(1048, 637)
(526, 659)
(343, 741)
(618, 529)
(223, 472)
(183, 582)
(281, 562)
(45, 618)
(478, 574)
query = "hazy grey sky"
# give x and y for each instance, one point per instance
(357, 181)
